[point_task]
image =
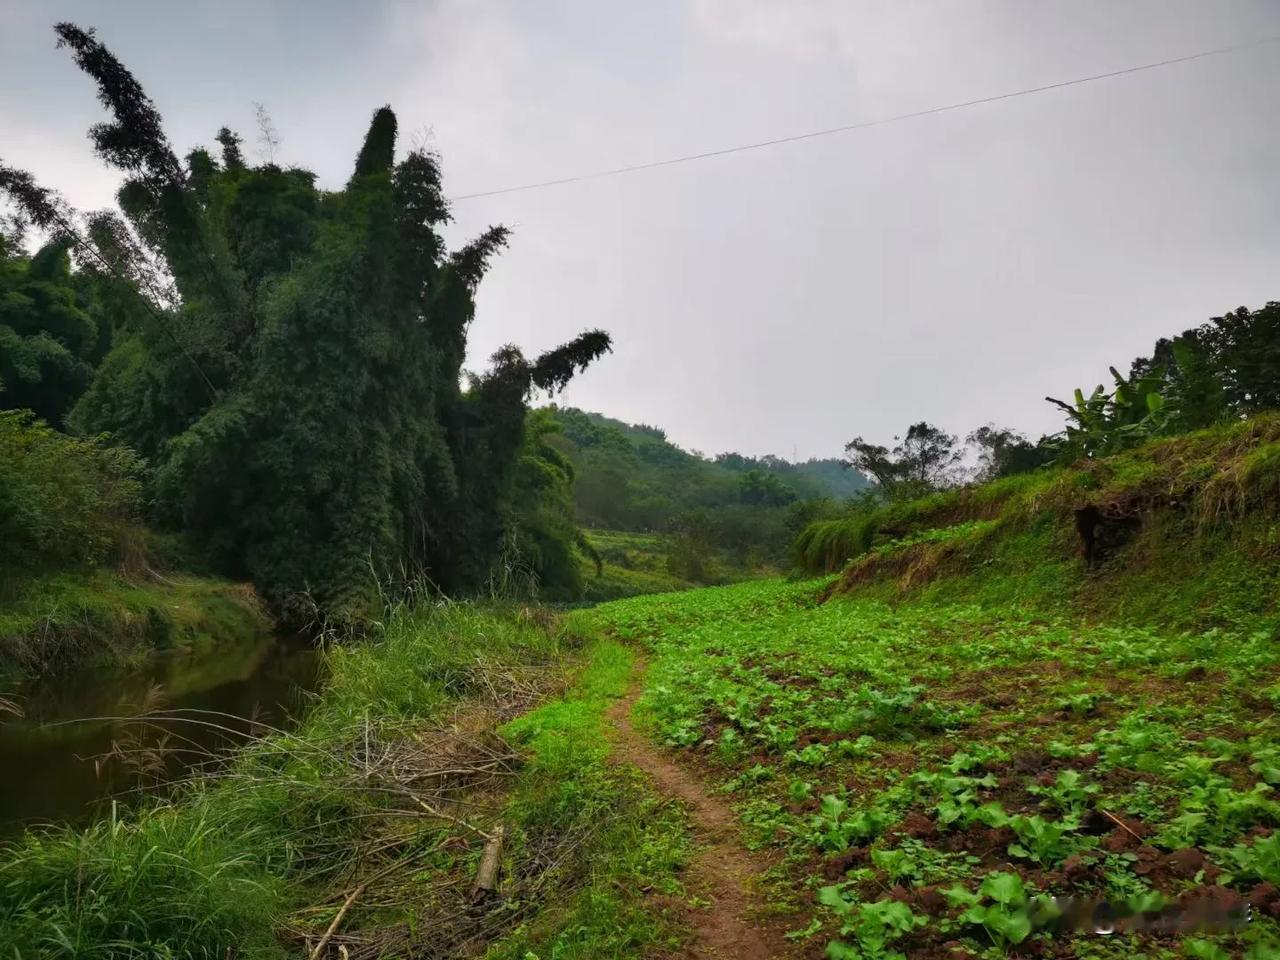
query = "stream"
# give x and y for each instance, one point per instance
(83, 740)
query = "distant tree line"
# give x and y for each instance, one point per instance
(631, 477)
(1224, 370)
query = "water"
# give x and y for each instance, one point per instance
(63, 761)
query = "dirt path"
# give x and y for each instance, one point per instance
(720, 870)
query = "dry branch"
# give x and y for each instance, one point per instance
(486, 883)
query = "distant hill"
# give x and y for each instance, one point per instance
(631, 477)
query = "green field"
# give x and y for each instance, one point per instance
(930, 769)
(969, 720)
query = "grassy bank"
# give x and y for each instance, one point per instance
(412, 754)
(105, 621)
(1180, 532)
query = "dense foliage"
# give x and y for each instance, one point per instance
(65, 503)
(53, 329)
(294, 373)
(631, 477)
(1224, 370)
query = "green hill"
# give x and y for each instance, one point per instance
(631, 477)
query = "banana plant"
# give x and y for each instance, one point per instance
(1103, 422)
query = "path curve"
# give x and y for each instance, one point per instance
(720, 869)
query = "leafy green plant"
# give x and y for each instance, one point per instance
(1045, 841)
(836, 827)
(1211, 814)
(1105, 422)
(873, 927)
(1259, 860)
(1068, 793)
(958, 802)
(814, 755)
(1080, 704)
(799, 791)
(1001, 907)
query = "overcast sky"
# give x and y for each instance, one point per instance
(954, 268)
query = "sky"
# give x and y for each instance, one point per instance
(955, 268)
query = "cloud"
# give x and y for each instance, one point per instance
(954, 268)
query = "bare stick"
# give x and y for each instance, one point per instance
(458, 820)
(342, 912)
(1121, 824)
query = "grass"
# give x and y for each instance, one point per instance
(921, 753)
(639, 845)
(102, 620)
(254, 858)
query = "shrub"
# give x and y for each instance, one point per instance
(64, 501)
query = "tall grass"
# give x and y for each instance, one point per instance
(223, 865)
(826, 546)
(180, 881)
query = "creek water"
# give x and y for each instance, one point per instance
(87, 739)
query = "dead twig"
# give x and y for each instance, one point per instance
(1121, 824)
(337, 919)
(452, 819)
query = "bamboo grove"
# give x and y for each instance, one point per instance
(289, 360)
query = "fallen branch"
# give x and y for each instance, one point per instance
(490, 863)
(456, 820)
(342, 912)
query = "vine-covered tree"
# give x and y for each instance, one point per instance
(300, 394)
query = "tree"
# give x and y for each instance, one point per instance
(300, 394)
(764, 489)
(53, 330)
(1003, 452)
(542, 520)
(924, 459)
(1222, 370)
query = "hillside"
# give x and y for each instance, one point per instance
(631, 477)
(1179, 532)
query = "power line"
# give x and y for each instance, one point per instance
(865, 124)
